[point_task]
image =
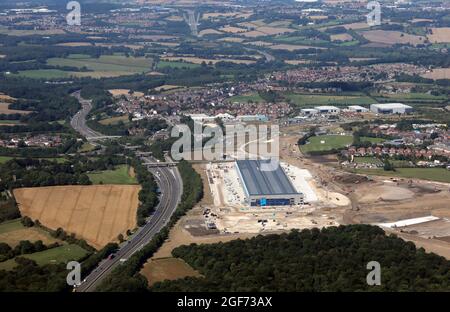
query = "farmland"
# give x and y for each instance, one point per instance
(431, 174)
(62, 254)
(4, 109)
(303, 100)
(326, 143)
(104, 66)
(254, 97)
(440, 35)
(392, 37)
(175, 64)
(97, 213)
(159, 270)
(118, 176)
(12, 232)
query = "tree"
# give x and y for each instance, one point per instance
(26, 221)
(4, 248)
(388, 166)
(120, 238)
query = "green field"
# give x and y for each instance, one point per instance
(44, 74)
(303, 100)
(104, 66)
(59, 160)
(432, 174)
(416, 96)
(176, 65)
(9, 122)
(115, 120)
(372, 140)
(118, 176)
(330, 142)
(62, 254)
(86, 147)
(254, 97)
(368, 160)
(4, 159)
(9, 226)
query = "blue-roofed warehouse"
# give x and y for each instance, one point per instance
(266, 187)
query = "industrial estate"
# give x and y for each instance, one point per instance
(224, 146)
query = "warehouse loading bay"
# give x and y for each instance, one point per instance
(231, 213)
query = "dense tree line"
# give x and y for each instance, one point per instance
(27, 276)
(24, 247)
(127, 277)
(34, 172)
(331, 259)
(147, 196)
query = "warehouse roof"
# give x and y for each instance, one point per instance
(390, 105)
(259, 182)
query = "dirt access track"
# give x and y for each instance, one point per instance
(97, 213)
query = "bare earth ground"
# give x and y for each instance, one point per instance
(366, 201)
(97, 213)
(167, 269)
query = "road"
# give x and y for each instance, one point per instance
(78, 121)
(170, 184)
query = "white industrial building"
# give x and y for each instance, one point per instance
(327, 109)
(309, 111)
(391, 108)
(357, 109)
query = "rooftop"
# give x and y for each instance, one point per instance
(391, 105)
(259, 182)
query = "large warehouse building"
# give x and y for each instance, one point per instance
(266, 188)
(391, 108)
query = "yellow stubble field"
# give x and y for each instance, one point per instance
(97, 213)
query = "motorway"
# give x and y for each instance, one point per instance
(78, 121)
(171, 187)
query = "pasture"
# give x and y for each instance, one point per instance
(326, 143)
(62, 254)
(119, 176)
(302, 100)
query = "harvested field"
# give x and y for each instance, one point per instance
(392, 37)
(74, 44)
(12, 232)
(209, 32)
(439, 35)
(6, 98)
(159, 270)
(438, 73)
(198, 60)
(291, 47)
(5, 110)
(232, 39)
(233, 30)
(260, 43)
(97, 214)
(341, 37)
